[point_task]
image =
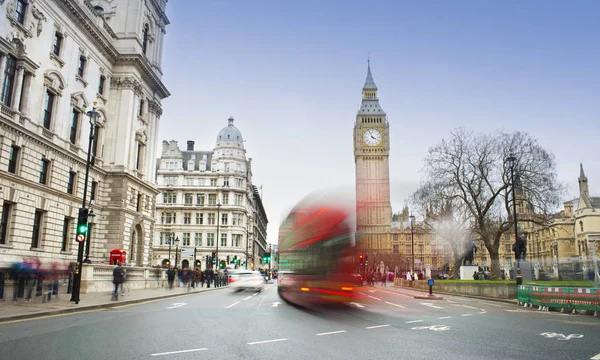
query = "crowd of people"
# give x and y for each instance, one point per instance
(31, 275)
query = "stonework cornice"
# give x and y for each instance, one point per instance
(155, 108)
(142, 64)
(80, 18)
(127, 83)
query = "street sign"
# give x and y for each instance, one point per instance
(430, 282)
(187, 252)
(80, 238)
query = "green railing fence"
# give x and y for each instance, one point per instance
(575, 298)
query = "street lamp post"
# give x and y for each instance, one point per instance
(412, 243)
(218, 222)
(93, 114)
(511, 159)
(170, 241)
(176, 251)
(249, 236)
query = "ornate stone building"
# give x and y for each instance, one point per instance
(58, 59)
(206, 201)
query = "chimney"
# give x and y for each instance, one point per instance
(190, 145)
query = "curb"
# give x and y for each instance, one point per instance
(97, 306)
(507, 301)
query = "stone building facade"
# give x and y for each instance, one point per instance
(58, 59)
(207, 204)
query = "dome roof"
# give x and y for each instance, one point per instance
(230, 134)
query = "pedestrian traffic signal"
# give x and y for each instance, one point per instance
(82, 224)
(227, 259)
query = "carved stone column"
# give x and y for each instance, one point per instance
(24, 109)
(3, 58)
(16, 100)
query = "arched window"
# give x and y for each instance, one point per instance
(145, 39)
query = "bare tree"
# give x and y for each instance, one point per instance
(471, 171)
(445, 217)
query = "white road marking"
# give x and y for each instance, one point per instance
(466, 314)
(482, 311)
(413, 321)
(487, 303)
(247, 298)
(362, 293)
(470, 307)
(373, 297)
(234, 304)
(400, 306)
(357, 304)
(596, 357)
(275, 304)
(254, 294)
(178, 352)
(376, 326)
(331, 332)
(371, 291)
(432, 327)
(176, 305)
(451, 302)
(431, 305)
(444, 317)
(551, 335)
(264, 342)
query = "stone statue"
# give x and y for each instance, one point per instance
(470, 255)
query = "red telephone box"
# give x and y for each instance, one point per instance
(118, 256)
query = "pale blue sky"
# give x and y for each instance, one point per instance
(291, 74)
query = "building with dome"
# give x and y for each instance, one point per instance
(208, 206)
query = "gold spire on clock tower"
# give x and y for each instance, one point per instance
(371, 157)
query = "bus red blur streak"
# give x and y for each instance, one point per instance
(315, 255)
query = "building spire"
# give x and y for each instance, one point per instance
(584, 192)
(581, 173)
(369, 83)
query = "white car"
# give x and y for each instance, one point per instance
(246, 280)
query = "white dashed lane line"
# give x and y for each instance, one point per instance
(413, 321)
(376, 326)
(331, 333)
(389, 303)
(445, 317)
(467, 315)
(178, 352)
(373, 297)
(247, 298)
(232, 305)
(265, 341)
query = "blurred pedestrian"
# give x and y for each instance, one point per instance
(118, 277)
(171, 277)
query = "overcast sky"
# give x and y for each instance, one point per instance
(291, 74)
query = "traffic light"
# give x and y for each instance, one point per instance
(366, 259)
(227, 259)
(235, 259)
(198, 264)
(214, 257)
(361, 259)
(82, 224)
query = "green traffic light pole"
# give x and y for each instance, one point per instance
(93, 114)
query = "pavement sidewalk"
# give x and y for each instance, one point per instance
(415, 291)
(58, 305)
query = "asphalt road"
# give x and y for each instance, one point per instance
(387, 325)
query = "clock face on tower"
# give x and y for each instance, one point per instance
(372, 137)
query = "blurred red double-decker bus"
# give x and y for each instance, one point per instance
(316, 242)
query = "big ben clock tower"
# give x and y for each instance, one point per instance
(371, 157)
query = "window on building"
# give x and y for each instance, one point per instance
(189, 198)
(138, 204)
(57, 44)
(226, 166)
(101, 84)
(187, 218)
(199, 218)
(168, 218)
(223, 219)
(239, 182)
(223, 240)
(145, 39)
(37, 228)
(225, 199)
(408, 249)
(66, 234)
(95, 143)
(44, 171)
(170, 180)
(141, 108)
(7, 208)
(210, 239)
(20, 11)
(186, 239)
(169, 198)
(140, 154)
(202, 166)
(239, 199)
(237, 240)
(81, 66)
(71, 182)
(198, 239)
(395, 237)
(13, 159)
(212, 199)
(9, 80)
(48, 106)
(211, 219)
(213, 182)
(395, 249)
(200, 199)
(74, 125)
(93, 190)
(226, 181)
(581, 226)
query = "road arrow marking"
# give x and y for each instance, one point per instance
(596, 357)
(176, 305)
(275, 304)
(357, 304)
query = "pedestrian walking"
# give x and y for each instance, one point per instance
(118, 277)
(170, 277)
